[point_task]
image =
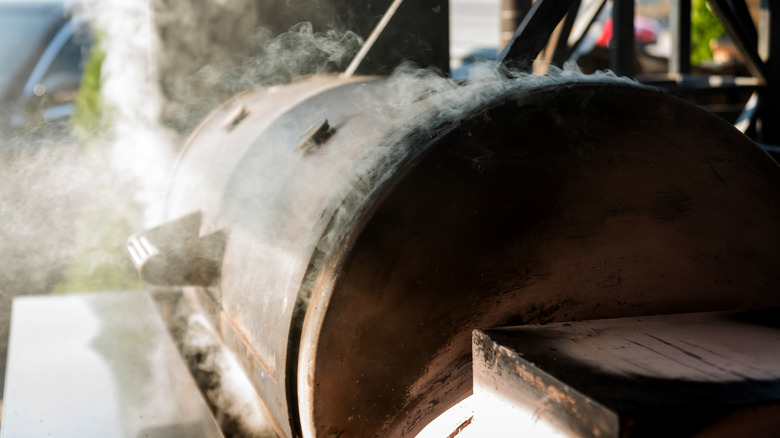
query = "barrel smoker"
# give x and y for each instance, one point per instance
(358, 245)
(346, 236)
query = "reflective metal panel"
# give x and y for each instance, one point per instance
(98, 365)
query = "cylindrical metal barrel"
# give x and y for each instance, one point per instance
(372, 225)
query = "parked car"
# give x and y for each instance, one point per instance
(43, 47)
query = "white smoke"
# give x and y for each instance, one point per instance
(282, 58)
(66, 205)
(141, 150)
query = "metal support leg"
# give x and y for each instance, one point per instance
(533, 33)
(562, 51)
(622, 45)
(680, 25)
(769, 50)
(589, 16)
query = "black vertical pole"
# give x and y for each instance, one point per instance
(680, 26)
(622, 46)
(769, 50)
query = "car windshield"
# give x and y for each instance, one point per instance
(21, 32)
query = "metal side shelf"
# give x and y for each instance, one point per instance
(98, 365)
(700, 374)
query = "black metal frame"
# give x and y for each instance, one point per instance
(533, 33)
(758, 47)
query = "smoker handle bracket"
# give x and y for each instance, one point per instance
(174, 254)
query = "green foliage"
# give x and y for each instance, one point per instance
(100, 261)
(90, 116)
(705, 27)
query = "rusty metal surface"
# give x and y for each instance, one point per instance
(560, 204)
(278, 202)
(219, 143)
(547, 202)
(98, 365)
(274, 200)
(512, 396)
(632, 377)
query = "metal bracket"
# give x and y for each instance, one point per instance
(533, 33)
(174, 254)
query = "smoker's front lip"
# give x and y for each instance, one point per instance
(98, 365)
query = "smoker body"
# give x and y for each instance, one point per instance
(366, 227)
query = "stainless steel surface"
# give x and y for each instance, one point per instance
(98, 365)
